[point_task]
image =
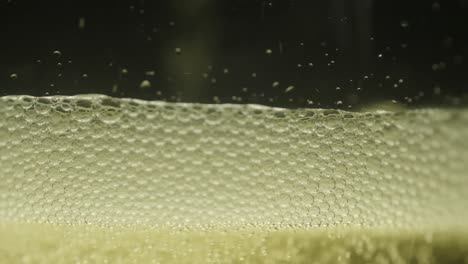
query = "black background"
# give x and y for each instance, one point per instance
(409, 51)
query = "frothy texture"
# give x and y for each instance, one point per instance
(122, 162)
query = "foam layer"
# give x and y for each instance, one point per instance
(91, 160)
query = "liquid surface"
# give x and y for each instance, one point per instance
(68, 163)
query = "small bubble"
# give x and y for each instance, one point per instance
(339, 102)
(150, 73)
(57, 53)
(171, 23)
(404, 24)
(380, 55)
(81, 22)
(275, 84)
(85, 75)
(14, 76)
(145, 84)
(338, 88)
(299, 65)
(178, 51)
(435, 6)
(226, 71)
(254, 75)
(311, 64)
(289, 89)
(268, 51)
(124, 71)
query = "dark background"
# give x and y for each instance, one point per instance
(413, 52)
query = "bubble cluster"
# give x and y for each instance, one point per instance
(108, 162)
(96, 159)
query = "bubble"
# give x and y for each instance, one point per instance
(150, 73)
(14, 76)
(81, 23)
(289, 89)
(145, 84)
(178, 50)
(57, 53)
(275, 84)
(268, 51)
(404, 24)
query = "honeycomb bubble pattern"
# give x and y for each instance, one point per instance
(92, 159)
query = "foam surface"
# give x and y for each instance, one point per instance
(115, 163)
